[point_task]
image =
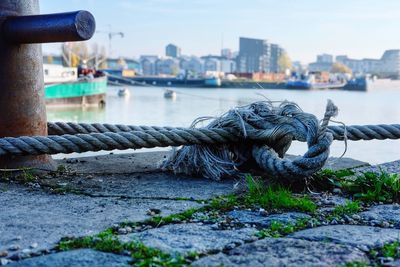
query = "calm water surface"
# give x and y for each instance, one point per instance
(147, 106)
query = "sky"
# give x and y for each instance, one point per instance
(304, 28)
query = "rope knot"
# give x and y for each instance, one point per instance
(265, 134)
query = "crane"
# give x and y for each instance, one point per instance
(111, 35)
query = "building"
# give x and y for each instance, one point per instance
(324, 63)
(194, 66)
(388, 66)
(275, 54)
(172, 50)
(254, 55)
(226, 53)
(167, 66)
(148, 63)
(227, 66)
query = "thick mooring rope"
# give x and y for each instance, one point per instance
(352, 132)
(258, 134)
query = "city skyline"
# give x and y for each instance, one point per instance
(359, 29)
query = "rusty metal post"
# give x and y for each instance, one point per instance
(22, 103)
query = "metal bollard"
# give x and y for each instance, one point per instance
(22, 103)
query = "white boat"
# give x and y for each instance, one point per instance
(170, 94)
(123, 92)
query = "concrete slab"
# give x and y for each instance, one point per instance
(29, 217)
(278, 252)
(191, 237)
(80, 257)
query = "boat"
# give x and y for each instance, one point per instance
(74, 86)
(170, 94)
(306, 82)
(123, 92)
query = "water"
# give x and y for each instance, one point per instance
(147, 106)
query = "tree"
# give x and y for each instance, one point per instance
(338, 67)
(74, 53)
(284, 62)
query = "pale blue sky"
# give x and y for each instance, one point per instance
(359, 28)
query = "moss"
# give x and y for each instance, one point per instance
(278, 229)
(275, 197)
(349, 208)
(391, 250)
(141, 255)
(356, 264)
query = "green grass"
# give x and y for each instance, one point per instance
(328, 179)
(391, 250)
(141, 254)
(356, 264)
(275, 197)
(278, 229)
(373, 187)
(349, 208)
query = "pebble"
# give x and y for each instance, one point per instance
(3, 253)
(129, 229)
(122, 231)
(4, 262)
(230, 246)
(385, 224)
(34, 245)
(356, 217)
(16, 257)
(14, 247)
(337, 191)
(26, 251)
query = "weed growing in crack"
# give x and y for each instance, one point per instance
(349, 208)
(275, 197)
(141, 255)
(278, 229)
(356, 264)
(373, 187)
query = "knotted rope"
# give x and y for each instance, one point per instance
(259, 133)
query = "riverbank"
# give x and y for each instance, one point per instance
(176, 220)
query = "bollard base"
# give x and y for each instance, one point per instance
(40, 163)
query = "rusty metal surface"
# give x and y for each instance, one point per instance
(22, 106)
(71, 26)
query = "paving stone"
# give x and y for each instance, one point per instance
(81, 258)
(355, 235)
(343, 163)
(389, 213)
(285, 252)
(29, 217)
(189, 237)
(137, 176)
(252, 217)
(389, 167)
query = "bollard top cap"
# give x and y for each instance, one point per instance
(85, 24)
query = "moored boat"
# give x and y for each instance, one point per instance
(63, 87)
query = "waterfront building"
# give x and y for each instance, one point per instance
(275, 54)
(167, 66)
(148, 64)
(212, 64)
(324, 63)
(254, 55)
(172, 50)
(193, 65)
(227, 66)
(388, 66)
(226, 53)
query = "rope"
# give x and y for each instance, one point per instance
(258, 135)
(354, 132)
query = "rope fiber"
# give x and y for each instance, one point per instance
(259, 132)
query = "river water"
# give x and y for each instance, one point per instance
(147, 106)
